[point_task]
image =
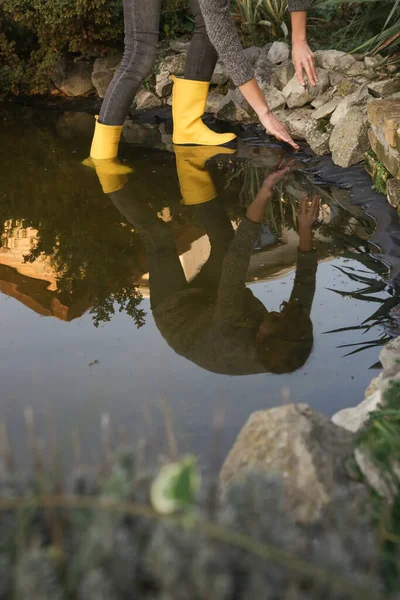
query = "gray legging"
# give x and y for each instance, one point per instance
(142, 21)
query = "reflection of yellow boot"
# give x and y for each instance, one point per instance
(104, 157)
(195, 181)
(189, 101)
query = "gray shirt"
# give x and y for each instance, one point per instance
(223, 35)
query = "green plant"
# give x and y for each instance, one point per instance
(257, 15)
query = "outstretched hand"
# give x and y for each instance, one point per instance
(304, 62)
(256, 210)
(274, 127)
(308, 213)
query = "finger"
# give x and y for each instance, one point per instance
(299, 72)
(309, 71)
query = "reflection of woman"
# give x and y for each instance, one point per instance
(214, 33)
(215, 321)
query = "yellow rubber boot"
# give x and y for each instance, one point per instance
(196, 184)
(189, 99)
(103, 158)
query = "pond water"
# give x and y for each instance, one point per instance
(86, 339)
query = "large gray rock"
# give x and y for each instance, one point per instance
(103, 72)
(180, 45)
(385, 87)
(219, 77)
(174, 64)
(297, 95)
(358, 98)
(317, 137)
(278, 53)
(163, 84)
(390, 354)
(327, 109)
(275, 99)
(265, 69)
(349, 140)
(297, 122)
(393, 194)
(283, 74)
(303, 447)
(213, 102)
(232, 108)
(333, 60)
(72, 78)
(355, 417)
(146, 100)
(253, 54)
(324, 98)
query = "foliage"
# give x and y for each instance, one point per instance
(262, 18)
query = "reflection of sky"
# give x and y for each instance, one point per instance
(44, 363)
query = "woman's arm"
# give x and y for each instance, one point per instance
(302, 55)
(223, 35)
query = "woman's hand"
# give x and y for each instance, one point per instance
(256, 210)
(274, 127)
(308, 213)
(303, 61)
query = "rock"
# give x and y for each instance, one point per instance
(390, 354)
(278, 53)
(358, 98)
(383, 484)
(390, 157)
(327, 109)
(146, 100)
(370, 62)
(393, 194)
(163, 84)
(318, 136)
(384, 87)
(297, 122)
(345, 87)
(356, 69)
(213, 102)
(220, 77)
(304, 447)
(354, 418)
(72, 78)
(297, 96)
(323, 98)
(265, 69)
(333, 60)
(253, 54)
(283, 74)
(275, 99)
(230, 108)
(174, 64)
(103, 72)
(349, 139)
(180, 45)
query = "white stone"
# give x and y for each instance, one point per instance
(219, 77)
(278, 53)
(354, 418)
(213, 102)
(274, 97)
(360, 97)
(146, 100)
(163, 84)
(302, 446)
(327, 109)
(390, 354)
(318, 137)
(297, 95)
(333, 60)
(349, 140)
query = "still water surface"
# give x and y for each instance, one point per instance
(78, 335)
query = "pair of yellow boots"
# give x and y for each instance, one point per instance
(188, 106)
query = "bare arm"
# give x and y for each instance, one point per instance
(302, 55)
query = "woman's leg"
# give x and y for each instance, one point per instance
(142, 21)
(202, 56)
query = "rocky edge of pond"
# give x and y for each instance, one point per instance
(294, 514)
(331, 117)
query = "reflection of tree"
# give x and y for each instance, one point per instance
(91, 251)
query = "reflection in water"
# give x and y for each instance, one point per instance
(214, 320)
(219, 286)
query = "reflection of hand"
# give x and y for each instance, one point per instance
(256, 210)
(303, 60)
(308, 214)
(274, 127)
